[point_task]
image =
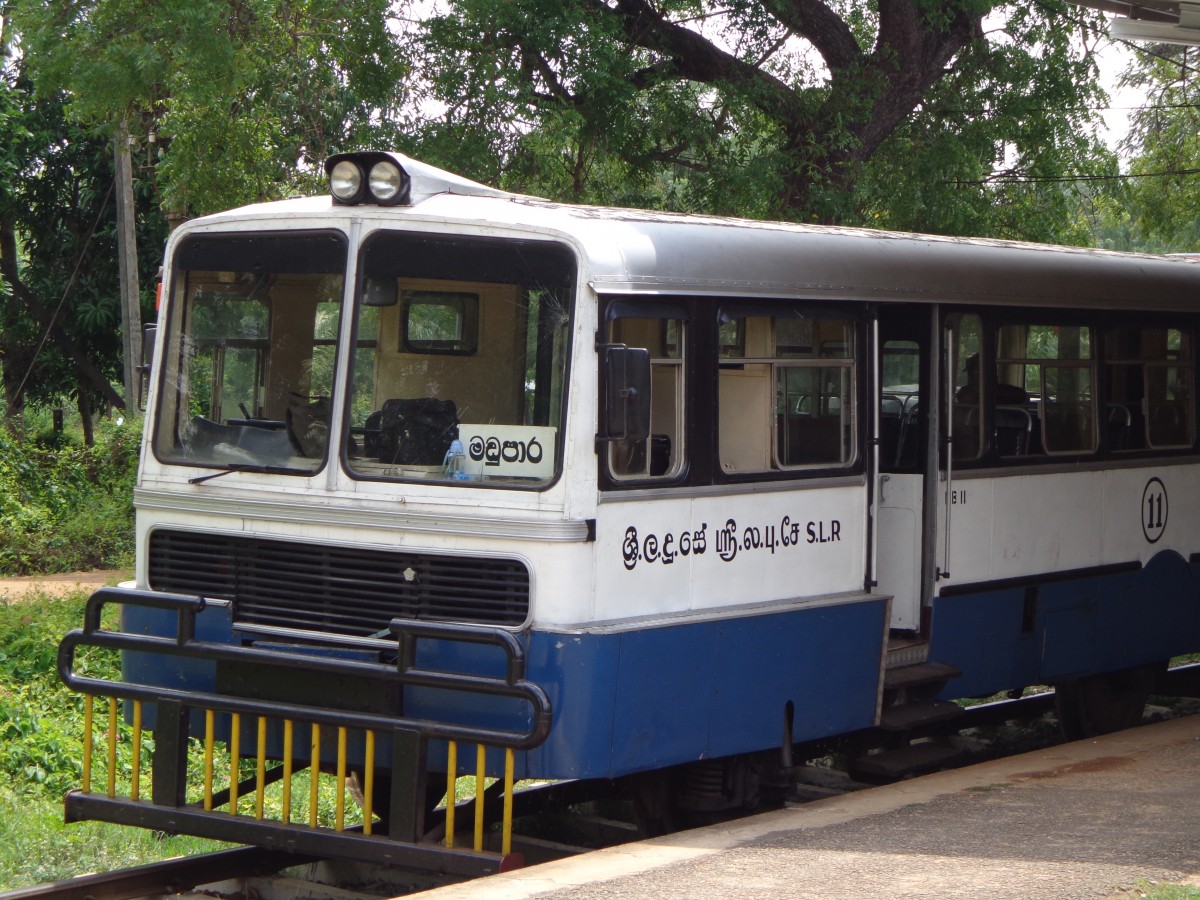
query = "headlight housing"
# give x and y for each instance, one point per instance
(368, 178)
(346, 182)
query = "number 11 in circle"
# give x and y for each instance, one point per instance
(1154, 510)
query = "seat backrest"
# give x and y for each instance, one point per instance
(1013, 425)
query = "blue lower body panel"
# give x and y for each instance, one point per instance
(635, 700)
(1011, 637)
(622, 701)
(626, 701)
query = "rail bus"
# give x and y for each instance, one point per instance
(440, 480)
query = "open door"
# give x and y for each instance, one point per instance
(903, 550)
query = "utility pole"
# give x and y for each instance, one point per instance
(131, 312)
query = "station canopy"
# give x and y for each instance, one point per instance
(1161, 21)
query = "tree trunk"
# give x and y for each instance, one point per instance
(84, 403)
(11, 275)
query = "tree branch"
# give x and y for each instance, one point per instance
(690, 55)
(821, 27)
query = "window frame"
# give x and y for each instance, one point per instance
(852, 316)
(504, 260)
(1109, 360)
(1089, 363)
(664, 312)
(1101, 323)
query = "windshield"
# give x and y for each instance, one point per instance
(460, 359)
(248, 367)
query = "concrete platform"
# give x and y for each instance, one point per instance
(1108, 817)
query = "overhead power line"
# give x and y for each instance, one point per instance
(1061, 179)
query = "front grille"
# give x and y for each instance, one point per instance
(337, 590)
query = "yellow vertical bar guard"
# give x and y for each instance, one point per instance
(235, 748)
(368, 787)
(260, 769)
(314, 775)
(209, 728)
(451, 789)
(339, 816)
(88, 718)
(135, 789)
(288, 739)
(112, 746)
(480, 776)
(87, 743)
(506, 833)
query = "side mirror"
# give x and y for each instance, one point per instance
(379, 292)
(627, 382)
(149, 335)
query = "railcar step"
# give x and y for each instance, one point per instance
(919, 674)
(906, 651)
(904, 762)
(911, 715)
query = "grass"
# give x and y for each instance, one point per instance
(37, 847)
(41, 741)
(40, 753)
(1151, 890)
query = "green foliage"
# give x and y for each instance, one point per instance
(1001, 144)
(58, 205)
(41, 740)
(1164, 141)
(735, 109)
(37, 847)
(40, 721)
(65, 507)
(235, 93)
(1154, 890)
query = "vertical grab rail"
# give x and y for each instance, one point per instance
(944, 569)
(876, 477)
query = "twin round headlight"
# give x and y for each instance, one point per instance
(367, 178)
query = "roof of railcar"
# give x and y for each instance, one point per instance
(638, 252)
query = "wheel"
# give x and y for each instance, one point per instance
(1100, 704)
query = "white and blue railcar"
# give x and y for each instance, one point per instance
(713, 478)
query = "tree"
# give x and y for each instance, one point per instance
(1164, 146)
(60, 313)
(242, 98)
(231, 102)
(907, 112)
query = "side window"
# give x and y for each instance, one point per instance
(440, 322)
(786, 392)
(661, 454)
(966, 410)
(1150, 375)
(1048, 373)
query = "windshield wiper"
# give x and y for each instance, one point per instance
(246, 467)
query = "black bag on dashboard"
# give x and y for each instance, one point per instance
(412, 432)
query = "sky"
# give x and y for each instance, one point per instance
(1114, 57)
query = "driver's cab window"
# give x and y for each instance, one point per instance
(660, 455)
(459, 360)
(252, 327)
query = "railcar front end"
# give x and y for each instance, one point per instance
(441, 482)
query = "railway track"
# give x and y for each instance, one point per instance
(567, 818)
